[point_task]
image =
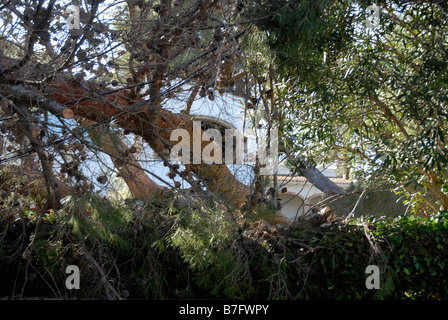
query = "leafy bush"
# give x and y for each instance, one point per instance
(410, 252)
(166, 250)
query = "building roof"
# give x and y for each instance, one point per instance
(303, 179)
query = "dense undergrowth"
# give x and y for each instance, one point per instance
(168, 249)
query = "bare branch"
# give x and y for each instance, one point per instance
(41, 102)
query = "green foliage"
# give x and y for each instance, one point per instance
(411, 258)
(377, 102)
(95, 218)
(417, 256)
(297, 32)
(205, 238)
(174, 251)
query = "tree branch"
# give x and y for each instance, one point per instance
(41, 102)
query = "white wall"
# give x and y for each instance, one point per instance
(301, 195)
(292, 205)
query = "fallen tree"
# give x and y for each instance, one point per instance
(99, 106)
(155, 60)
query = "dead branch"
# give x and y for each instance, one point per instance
(28, 96)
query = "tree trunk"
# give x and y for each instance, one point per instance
(156, 130)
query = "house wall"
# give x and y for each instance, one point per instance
(292, 205)
(301, 195)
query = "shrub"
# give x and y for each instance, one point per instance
(198, 250)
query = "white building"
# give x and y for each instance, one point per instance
(301, 195)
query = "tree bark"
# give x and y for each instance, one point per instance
(315, 176)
